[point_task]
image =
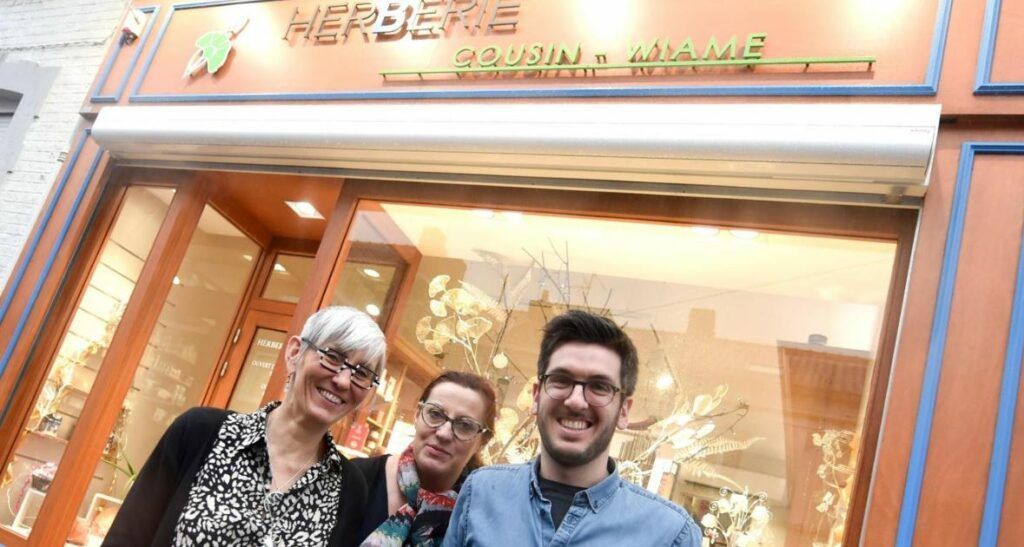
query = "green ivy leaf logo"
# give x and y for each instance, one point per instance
(212, 50)
(215, 47)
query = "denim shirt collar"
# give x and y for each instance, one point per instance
(597, 496)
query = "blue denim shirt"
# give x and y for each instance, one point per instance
(502, 505)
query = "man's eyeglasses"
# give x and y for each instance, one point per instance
(595, 392)
(334, 362)
(464, 429)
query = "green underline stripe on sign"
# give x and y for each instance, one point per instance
(639, 64)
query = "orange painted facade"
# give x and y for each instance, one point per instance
(910, 41)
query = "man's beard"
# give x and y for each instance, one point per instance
(571, 458)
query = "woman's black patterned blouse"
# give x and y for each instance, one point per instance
(230, 502)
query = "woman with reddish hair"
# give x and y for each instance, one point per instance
(411, 495)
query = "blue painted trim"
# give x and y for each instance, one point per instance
(14, 282)
(936, 350)
(55, 248)
(1008, 392)
(96, 98)
(928, 88)
(983, 84)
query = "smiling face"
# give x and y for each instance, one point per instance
(316, 393)
(440, 457)
(572, 431)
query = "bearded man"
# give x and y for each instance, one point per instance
(572, 494)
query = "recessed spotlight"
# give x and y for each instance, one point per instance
(514, 216)
(704, 231)
(304, 209)
(279, 268)
(744, 234)
(248, 258)
(370, 272)
(664, 382)
(177, 280)
(373, 310)
(483, 213)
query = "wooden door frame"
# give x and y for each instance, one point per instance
(114, 379)
(845, 221)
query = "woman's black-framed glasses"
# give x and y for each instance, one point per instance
(595, 392)
(464, 429)
(334, 362)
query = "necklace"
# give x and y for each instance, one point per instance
(270, 540)
(302, 468)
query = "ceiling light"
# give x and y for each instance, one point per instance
(744, 234)
(279, 268)
(177, 280)
(483, 213)
(373, 310)
(514, 216)
(248, 258)
(704, 231)
(370, 272)
(304, 209)
(664, 382)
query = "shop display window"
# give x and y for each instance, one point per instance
(40, 449)
(757, 348)
(180, 357)
(288, 277)
(366, 286)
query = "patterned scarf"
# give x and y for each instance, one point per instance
(423, 521)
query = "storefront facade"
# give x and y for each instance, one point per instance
(807, 217)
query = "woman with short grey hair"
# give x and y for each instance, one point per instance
(272, 477)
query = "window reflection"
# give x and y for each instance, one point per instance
(56, 410)
(288, 277)
(266, 345)
(757, 348)
(176, 366)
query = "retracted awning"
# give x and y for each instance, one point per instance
(869, 153)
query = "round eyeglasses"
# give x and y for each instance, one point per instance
(595, 392)
(464, 429)
(335, 362)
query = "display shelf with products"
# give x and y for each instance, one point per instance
(73, 373)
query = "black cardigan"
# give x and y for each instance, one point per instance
(150, 512)
(372, 469)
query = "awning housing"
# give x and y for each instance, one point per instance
(825, 152)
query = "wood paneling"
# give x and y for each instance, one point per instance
(957, 468)
(914, 333)
(1011, 532)
(262, 199)
(36, 260)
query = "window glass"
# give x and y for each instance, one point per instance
(40, 448)
(176, 367)
(266, 345)
(288, 277)
(756, 348)
(365, 286)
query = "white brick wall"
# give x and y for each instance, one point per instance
(71, 35)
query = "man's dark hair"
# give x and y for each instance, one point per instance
(588, 328)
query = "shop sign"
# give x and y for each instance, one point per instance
(421, 19)
(346, 49)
